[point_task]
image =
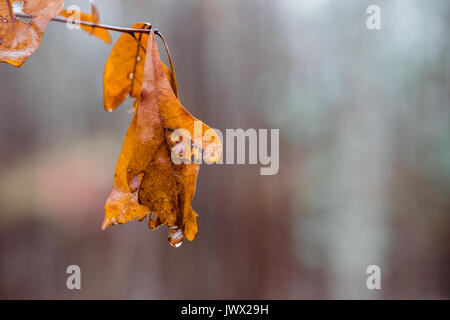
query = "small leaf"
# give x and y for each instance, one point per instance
(19, 40)
(94, 17)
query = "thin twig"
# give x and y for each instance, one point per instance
(91, 24)
(131, 31)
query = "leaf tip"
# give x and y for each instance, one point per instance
(105, 224)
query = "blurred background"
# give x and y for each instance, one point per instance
(364, 119)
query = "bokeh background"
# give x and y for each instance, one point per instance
(364, 155)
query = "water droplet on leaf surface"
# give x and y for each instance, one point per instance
(175, 237)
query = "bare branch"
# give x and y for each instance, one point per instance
(91, 24)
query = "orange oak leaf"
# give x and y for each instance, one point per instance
(18, 39)
(94, 17)
(122, 204)
(147, 181)
(124, 69)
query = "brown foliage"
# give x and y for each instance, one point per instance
(124, 69)
(147, 181)
(19, 40)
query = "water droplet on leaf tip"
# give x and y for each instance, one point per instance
(131, 75)
(138, 58)
(175, 237)
(176, 245)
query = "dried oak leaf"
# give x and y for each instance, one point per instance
(94, 17)
(18, 39)
(124, 69)
(147, 181)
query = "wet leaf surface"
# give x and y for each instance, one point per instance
(147, 181)
(18, 39)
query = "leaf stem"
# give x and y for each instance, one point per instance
(172, 69)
